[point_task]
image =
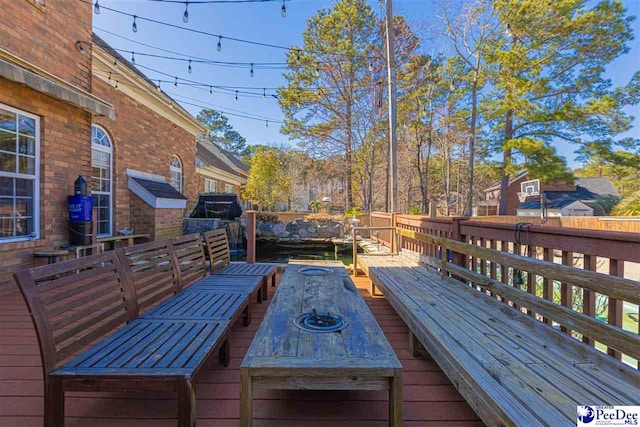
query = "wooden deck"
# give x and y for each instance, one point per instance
(429, 398)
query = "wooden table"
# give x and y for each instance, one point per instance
(52, 255)
(282, 356)
(115, 241)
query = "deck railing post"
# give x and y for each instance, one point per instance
(355, 253)
(394, 234)
(251, 237)
(456, 234)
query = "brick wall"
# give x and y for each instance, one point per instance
(221, 184)
(64, 154)
(145, 141)
(46, 35)
(157, 223)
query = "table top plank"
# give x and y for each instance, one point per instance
(279, 344)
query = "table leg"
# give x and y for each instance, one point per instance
(395, 400)
(246, 404)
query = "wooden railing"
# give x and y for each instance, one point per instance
(609, 252)
(381, 219)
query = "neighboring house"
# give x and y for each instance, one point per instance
(61, 117)
(585, 200)
(517, 184)
(218, 171)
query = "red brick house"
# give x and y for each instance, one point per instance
(61, 116)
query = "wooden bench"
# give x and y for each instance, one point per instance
(74, 305)
(513, 368)
(220, 263)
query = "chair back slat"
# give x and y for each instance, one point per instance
(75, 302)
(152, 267)
(217, 248)
(192, 265)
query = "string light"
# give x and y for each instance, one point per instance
(116, 84)
(370, 66)
(508, 31)
(96, 8)
(158, 88)
(115, 64)
(134, 27)
(185, 16)
(109, 75)
(264, 93)
(189, 69)
(210, 90)
(236, 98)
(133, 57)
(267, 123)
(298, 55)
(175, 83)
(251, 72)
(283, 10)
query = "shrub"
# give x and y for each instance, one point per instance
(323, 217)
(266, 216)
(349, 212)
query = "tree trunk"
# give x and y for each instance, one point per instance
(472, 143)
(347, 158)
(504, 181)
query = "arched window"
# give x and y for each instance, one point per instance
(101, 177)
(175, 173)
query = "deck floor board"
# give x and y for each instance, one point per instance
(429, 397)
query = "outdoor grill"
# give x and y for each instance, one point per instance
(320, 322)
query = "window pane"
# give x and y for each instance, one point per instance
(6, 186)
(27, 146)
(7, 162)
(7, 141)
(24, 187)
(6, 207)
(26, 125)
(23, 207)
(24, 226)
(6, 227)
(27, 165)
(7, 120)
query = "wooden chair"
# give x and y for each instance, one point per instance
(217, 244)
(192, 264)
(80, 310)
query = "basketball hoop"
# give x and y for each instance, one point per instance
(522, 196)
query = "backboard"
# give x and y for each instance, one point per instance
(531, 187)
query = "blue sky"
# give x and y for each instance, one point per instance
(262, 22)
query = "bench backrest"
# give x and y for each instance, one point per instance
(190, 257)
(153, 269)
(541, 303)
(217, 248)
(76, 302)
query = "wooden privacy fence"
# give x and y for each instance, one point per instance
(522, 261)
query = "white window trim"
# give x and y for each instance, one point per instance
(109, 150)
(177, 170)
(35, 178)
(227, 187)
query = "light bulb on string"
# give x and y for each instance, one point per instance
(264, 93)
(219, 47)
(189, 69)
(283, 10)
(236, 98)
(175, 83)
(115, 64)
(298, 55)
(371, 66)
(508, 31)
(185, 16)
(109, 75)
(210, 90)
(96, 8)
(158, 88)
(267, 123)
(116, 84)
(251, 72)
(133, 57)
(134, 27)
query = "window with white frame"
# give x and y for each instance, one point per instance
(19, 174)
(228, 188)
(210, 186)
(102, 177)
(175, 173)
